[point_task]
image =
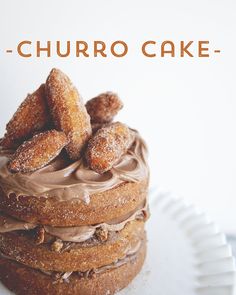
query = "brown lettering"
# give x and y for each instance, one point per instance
(119, 42)
(82, 50)
(144, 48)
(170, 51)
(67, 53)
(39, 49)
(101, 50)
(19, 48)
(184, 48)
(202, 49)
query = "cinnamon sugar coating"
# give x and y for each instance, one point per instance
(97, 126)
(38, 151)
(104, 107)
(107, 146)
(32, 116)
(68, 112)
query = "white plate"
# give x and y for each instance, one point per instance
(187, 254)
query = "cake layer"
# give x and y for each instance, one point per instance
(103, 207)
(106, 280)
(55, 255)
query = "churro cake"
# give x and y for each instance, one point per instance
(73, 194)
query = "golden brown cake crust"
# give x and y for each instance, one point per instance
(79, 257)
(103, 206)
(26, 281)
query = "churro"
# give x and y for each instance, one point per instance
(38, 151)
(104, 107)
(32, 116)
(107, 146)
(68, 112)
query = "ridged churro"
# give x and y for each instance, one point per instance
(68, 112)
(107, 146)
(37, 152)
(104, 107)
(32, 116)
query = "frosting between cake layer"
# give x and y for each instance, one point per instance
(130, 256)
(75, 234)
(68, 181)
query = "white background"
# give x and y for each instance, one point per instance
(185, 108)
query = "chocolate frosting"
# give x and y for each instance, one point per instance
(8, 224)
(65, 181)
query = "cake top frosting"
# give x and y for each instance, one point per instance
(66, 180)
(64, 149)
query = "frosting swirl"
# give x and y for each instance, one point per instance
(66, 181)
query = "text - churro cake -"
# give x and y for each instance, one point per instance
(73, 195)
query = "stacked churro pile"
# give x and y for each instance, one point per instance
(73, 189)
